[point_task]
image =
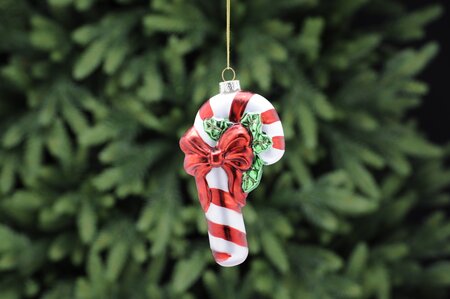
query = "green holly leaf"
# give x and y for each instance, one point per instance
(216, 127)
(252, 177)
(261, 142)
(253, 123)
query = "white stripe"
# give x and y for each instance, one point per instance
(271, 155)
(198, 125)
(273, 129)
(258, 104)
(217, 178)
(238, 253)
(221, 104)
(224, 216)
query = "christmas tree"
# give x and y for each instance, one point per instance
(94, 202)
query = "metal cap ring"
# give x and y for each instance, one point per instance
(228, 69)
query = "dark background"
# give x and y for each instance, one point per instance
(434, 114)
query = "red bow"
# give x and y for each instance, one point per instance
(233, 153)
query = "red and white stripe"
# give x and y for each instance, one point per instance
(226, 227)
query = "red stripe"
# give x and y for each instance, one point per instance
(220, 256)
(224, 199)
(227, 233)
(206, 111)
(238, 105)
(278, 142)
(269, 116)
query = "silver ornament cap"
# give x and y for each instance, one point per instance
(229, 86)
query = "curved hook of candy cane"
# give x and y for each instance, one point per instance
(219, 107)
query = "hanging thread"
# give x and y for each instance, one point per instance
(228, 42)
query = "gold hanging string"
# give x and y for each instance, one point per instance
(228, 68)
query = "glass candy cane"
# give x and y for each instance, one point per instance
(235, 133)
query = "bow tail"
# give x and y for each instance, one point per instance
(203, 190)
(235, 185)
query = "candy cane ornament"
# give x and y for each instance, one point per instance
(235, 134)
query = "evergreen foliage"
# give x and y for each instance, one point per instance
(94, 202)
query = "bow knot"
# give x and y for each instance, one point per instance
(233, 154)
(216, 158)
